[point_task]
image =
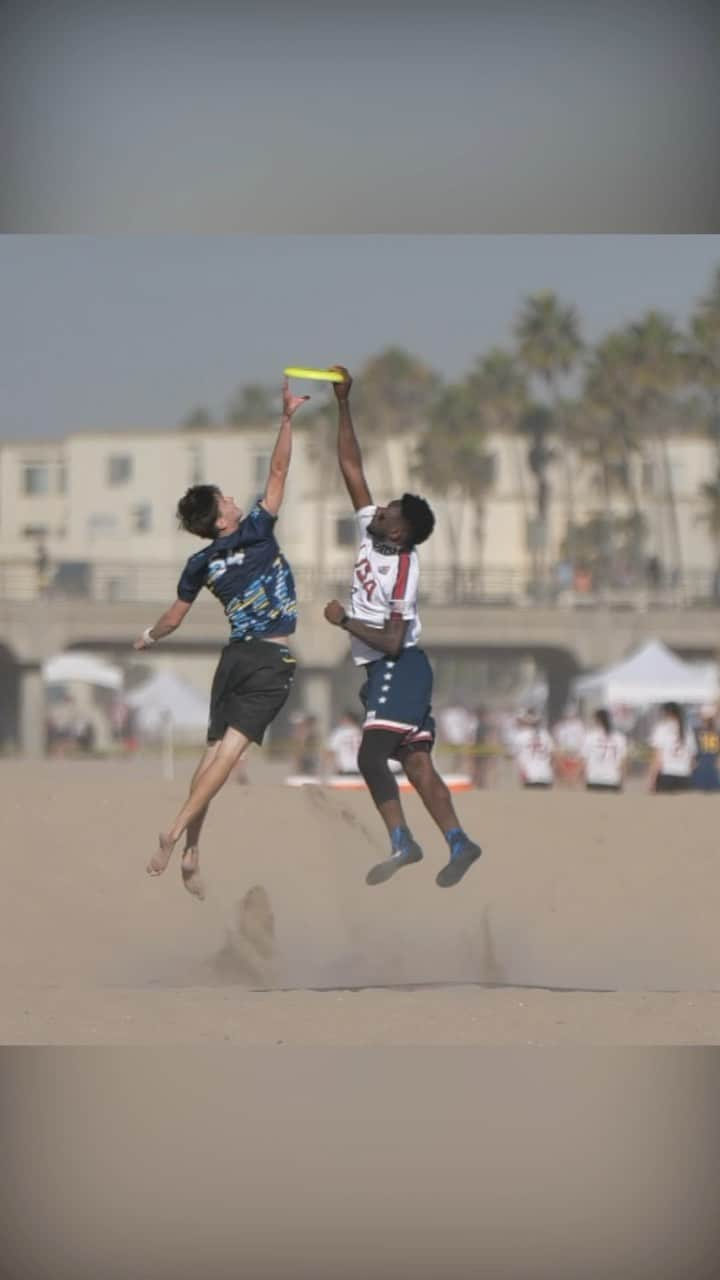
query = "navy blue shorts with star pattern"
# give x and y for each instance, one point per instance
(397, 696)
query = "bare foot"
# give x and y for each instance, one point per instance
(190, 872)
(159, 860)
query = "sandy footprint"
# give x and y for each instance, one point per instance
(247, 955)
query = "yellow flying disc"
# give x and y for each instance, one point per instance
(319, 375)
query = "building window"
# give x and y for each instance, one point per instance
(35, 479)
(73, 577)
(346, 534)
(101, 525)
(119, 468)
(35, 531)
(61, 478)
(261, 467)
(141, 517)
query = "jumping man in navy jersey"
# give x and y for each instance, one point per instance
(383, 622)
(245, 569)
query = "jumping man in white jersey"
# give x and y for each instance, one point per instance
(384, 625)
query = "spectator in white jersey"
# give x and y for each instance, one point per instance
(569, 735)
(343, 745)
(383, 623)
(674, 751)
(534, 751)
(604, 755)
(243, 566)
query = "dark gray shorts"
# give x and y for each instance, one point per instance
(252, 682)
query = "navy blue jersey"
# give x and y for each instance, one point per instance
(250, 576)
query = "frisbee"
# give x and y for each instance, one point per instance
(318, 375)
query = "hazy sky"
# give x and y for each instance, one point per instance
(134, 331)
(332, 116)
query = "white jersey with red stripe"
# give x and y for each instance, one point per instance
(385, 584)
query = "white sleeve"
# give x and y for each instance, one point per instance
(363, 516)
(403, 600)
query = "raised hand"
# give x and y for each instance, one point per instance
(291, 402)
(341, 389)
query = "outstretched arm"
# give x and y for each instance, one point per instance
(349, 455)
(280, 460)
(168, 622)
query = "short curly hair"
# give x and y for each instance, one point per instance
(418, 517)
(197, 511)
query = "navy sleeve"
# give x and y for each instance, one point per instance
(192, 578)
(258, 524)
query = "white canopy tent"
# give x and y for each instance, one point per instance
(167, 699)
(83, 667)
(169, 708)
(651, 675)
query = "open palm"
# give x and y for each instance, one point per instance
(291, 402)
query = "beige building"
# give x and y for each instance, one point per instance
(104, 505)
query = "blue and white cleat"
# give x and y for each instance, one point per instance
(383, 871)
(460, 862)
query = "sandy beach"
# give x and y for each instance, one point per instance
(589, 920)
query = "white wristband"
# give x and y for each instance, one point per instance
(147, 637)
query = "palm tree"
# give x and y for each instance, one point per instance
(397, 388)
(500, 384)
(252, 405)
(452, 459)
(547, 332)
(537, 424)
(609, 436)
(659, 369)
(710, 517)
(393, 396)
(548, 336)
(198, 419)
(704, 353)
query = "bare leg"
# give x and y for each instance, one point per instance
(436, 797)
(433, 792)
(190, 865)
(209, 782)
(391, 812)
